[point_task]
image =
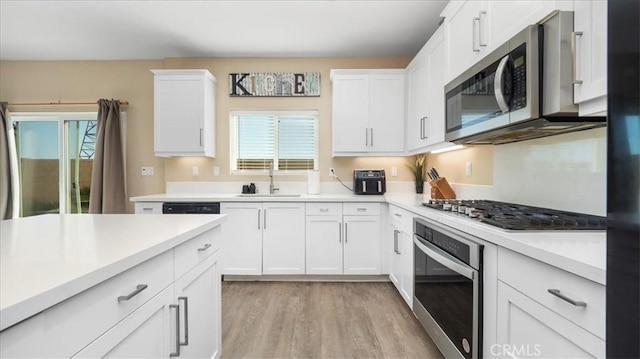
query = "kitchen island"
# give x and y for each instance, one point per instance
(81, 284)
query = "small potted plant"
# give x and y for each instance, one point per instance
(416, 164)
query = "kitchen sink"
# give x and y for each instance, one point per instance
(267, 195)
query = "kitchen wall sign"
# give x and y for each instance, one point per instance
(274, 84)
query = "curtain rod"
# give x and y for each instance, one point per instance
(123, 103)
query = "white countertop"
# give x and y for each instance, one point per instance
(580, 252)
(49, 258)
(234, 197)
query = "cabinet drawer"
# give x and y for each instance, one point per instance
(361, 209)
(148, 207)
(64, 329)
(324, 209)
(535, 279)
(190, 253)
(402, 218)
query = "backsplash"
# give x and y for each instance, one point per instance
(565, 172)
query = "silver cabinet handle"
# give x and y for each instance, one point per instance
(177, 352)
(147, 209)
(361, 209)
(422, 128)
(264, 223)
(395, 241)
(577, 303)
(340, 232)
(201, 140)
(497, 85)
(397, 214)
(259, 218)
(574, 53)
(371, 132)
(345, 232)
(324, 209)
(481, 39)
(476, 25)
(366, 137)
(186, 321)
(205, 247)
(139, 288)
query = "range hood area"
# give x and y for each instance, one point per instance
(522, 90)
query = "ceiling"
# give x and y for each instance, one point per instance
(152, 29)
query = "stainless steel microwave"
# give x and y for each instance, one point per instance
(521, 90)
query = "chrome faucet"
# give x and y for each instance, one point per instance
(272, 187)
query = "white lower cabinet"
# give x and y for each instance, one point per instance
(243, 235)
(135, 314)
(550, 314)
(526, 328)
(199, 294)
(324, 245)
(146, 333)
(264, 238)
(361, 247)
(283, 238)
(401, 274)
(343, 244)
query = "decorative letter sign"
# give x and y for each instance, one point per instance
(274, 84)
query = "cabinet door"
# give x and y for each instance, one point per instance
(504, 19)
(590, 19)
(395, 274)
(149, 332)
(198, 294)
(361, 244)
(350, 122)
(324, 245)
(405, 250)
(462, 36)
(283, 238)
(386, 113)
(527, 328)
(417, 82)
(179, 114)
(243, 238)
(434, 126)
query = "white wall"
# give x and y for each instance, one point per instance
(566, 172)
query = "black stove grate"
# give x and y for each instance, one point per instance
(519, 217)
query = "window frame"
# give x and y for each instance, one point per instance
(233, 140)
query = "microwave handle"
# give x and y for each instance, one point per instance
(497, 85)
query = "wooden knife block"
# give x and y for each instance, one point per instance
(440, 189)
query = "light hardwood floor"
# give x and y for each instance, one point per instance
(319, 320)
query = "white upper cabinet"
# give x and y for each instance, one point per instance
(474, 28)
(590, 44)
(184, 113)
(368, 112)
(425, 93)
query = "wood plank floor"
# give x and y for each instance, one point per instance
(319, 320)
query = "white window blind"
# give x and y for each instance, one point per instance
(286, 138)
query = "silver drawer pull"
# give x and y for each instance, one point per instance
(397, 214)
(577, 303)
(186, 320)
(324, 209)
(206, 246)
(177, 352)
(361, 209)
(139, 288)
(147, 209)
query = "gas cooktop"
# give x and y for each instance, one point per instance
(519, 217)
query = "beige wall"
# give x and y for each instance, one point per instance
(87, 81)
(452, 165)
(179, 169)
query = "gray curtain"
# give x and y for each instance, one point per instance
(107, 178)
(6, 187)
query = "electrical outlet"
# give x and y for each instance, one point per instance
(216, 171)
(394, 171)
(147, 171)
(467, 169)
(332, 172)
(194, 171)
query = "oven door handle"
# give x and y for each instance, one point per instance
(444, 258)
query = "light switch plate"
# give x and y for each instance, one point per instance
(195, 171)
(467, 169)
(216, 171)
(147, 171)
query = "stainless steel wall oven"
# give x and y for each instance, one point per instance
(448, 288)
